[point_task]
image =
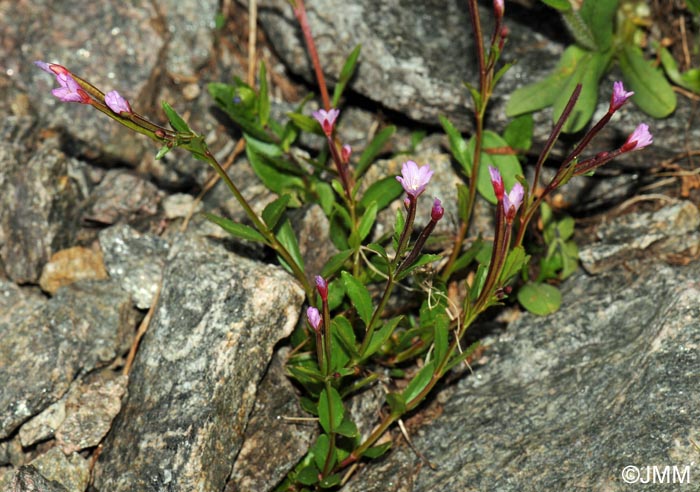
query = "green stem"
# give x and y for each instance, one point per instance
(270, 237)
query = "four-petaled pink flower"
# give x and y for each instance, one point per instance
(438, 211)
(512, 201)
(638, 139)
(326, 119)
(70, 90)
(414, 179)
(619, 96)
(314, 318)
(117, 103)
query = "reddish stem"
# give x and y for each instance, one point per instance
(300, 13)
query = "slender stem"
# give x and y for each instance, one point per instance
(300, 13)
(273, 242)
(328, 464)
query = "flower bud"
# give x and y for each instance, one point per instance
(313, 316)
(322, 287)
(438, 211)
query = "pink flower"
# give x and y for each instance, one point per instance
(497, 182)
(326, 119)
(619, 96)
(414, 179)
(117, 103)
(70, 91)
(437, 212)
(321, 287)
(638, 139)
(512, 201)
(314, 318)
(52, 68)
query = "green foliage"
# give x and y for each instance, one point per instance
(606, 32)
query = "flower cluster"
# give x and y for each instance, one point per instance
(73, 89)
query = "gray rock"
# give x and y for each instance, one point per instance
(72, 472)
(122, 196)
(136, 260)
(43, 426)
(415, 55)
(197, 370)
(28, 479)
(113, 45)
(90, 408)
(190, 26)
(47, 345)
(274, 440)
(40, 206)
(668, 231)
(567, 401)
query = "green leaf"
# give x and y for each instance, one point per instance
(382, 192)
(175, 120)
(345, 75)
(422, 260)
(226, 96)
(346, 335)
(305, 375)
(308, 475)
(419, 382)
(519, 132)
(320, 450)
(263, 97)
(326, 199)
(305, 123)
(373, 149)
(330, 409)
(458, 146)
(271, 177)
(397, 403)
(458, 358)
(599, 16)
(377, 451)
(288, 238)
(359, 296)
(515, 261)
(336, 294)
(589, 71)
(561, 5)
(440, 338)
(238, 230)
(652, 92)
(380, 336)
(367, 221)
(265, 149)
(274, 210)
(162, 151)
(331, 480)
(508, 165)
(540, 299)
(336, 262)
(689, 80)
(580, 30)
(462, 201)
(542, 94)
(347, 428)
